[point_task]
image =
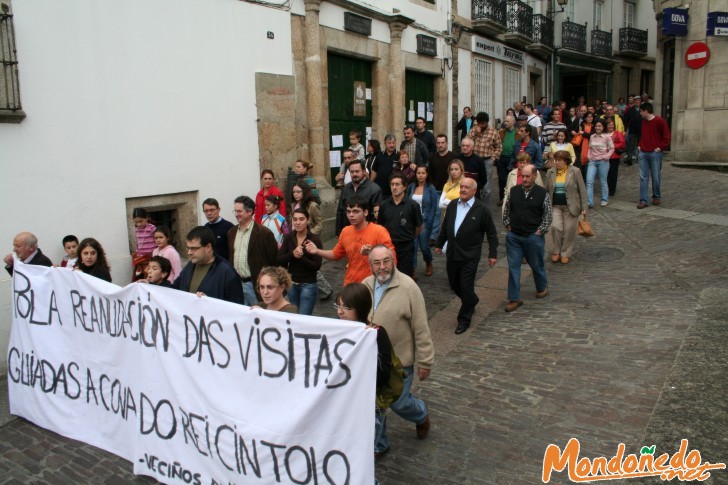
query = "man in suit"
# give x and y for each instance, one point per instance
(252, 247)
(465, 225)
(465, 124)
(25, 246)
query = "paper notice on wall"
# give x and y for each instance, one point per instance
(430, 111)
(411, 116)
(369, 133)
(337, 141)
(369, 94)
(334, 158)
(421, 109)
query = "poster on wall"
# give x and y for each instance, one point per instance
(360, 101)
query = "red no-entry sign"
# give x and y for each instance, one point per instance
(697, 55)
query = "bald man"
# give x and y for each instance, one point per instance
(527, 216)
(25, 247)
(466, 224)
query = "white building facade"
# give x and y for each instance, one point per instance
(163, 104)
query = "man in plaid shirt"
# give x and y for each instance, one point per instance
(487, 146)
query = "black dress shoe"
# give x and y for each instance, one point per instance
(462, 327)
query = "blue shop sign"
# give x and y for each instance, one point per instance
(675, 21)
(717, 23)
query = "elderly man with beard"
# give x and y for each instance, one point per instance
(399, 307)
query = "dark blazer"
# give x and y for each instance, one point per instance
(468, 243)
(462, 127)
(39, 259)
(262, 250)
(221, 281)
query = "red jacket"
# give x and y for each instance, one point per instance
(260, 203)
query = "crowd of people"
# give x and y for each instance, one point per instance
(393, 204)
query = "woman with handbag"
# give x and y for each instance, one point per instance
(601, 149)
(566, 189)
(619, 146)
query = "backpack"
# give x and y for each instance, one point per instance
(393, 388)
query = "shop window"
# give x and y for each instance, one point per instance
(483, 88)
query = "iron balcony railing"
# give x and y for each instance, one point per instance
(519, 18)
(631, 39)
(493, 10)
(601, 43)
(573, 36)
(543, 30)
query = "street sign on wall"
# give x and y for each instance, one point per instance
(717, 23)
(697, 55)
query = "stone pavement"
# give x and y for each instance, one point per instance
(630, 347)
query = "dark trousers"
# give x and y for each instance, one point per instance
(502, 175)
(612, 175)
(461, 276)
(405, 256)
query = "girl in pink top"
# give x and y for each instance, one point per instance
(163, 239)
(601, 148)
(144, 232)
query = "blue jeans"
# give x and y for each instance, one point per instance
(531, 247)
(249, 296)
(407, 406)
(422, 242)
(650, 164)
(591, 171)
(303, 295)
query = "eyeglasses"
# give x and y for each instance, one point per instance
(384, 261)
(192, 248)
(344, 308)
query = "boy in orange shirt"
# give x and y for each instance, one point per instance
(355, 242)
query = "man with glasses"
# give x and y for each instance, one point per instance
(252, 247)
(219, 226)
(466, 223)
(399, 307)
(206, 274)
(355, 241)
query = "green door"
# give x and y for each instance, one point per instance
(419, 98)
(346, 76)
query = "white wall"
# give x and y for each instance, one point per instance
(127, 100)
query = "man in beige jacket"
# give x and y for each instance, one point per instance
(399, 307)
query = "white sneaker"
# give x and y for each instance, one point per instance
(604, 203)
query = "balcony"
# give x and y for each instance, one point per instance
(573, 36)
(632, 42)
(543, 36)
(601, 43)
(489, 17)
(519, 23)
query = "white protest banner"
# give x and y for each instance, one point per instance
(192, 390)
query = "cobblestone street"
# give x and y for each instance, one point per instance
(630, 347)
